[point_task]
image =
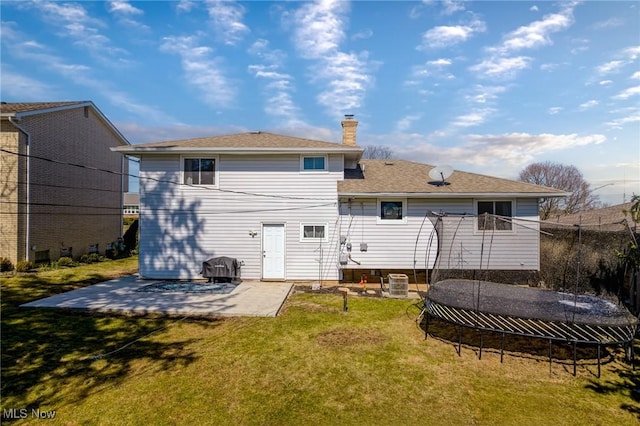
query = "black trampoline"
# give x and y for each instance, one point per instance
(508, 309)
(530, 312)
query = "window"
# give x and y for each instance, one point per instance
(313, 232)
(392, 211)
(492, 215)
(315, 163)
(199, 171)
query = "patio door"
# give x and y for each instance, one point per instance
(273, 243)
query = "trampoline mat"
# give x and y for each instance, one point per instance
(188, 287)
(527, 302)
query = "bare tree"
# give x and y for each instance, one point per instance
(563, 177)
(377, 152)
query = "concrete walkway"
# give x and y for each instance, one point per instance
(250, 298)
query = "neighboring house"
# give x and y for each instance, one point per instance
(610, 218)
(131, 206)
(61, 184)
(290, 208)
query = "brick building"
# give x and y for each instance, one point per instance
(57, 195)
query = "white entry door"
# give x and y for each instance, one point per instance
(273, 252)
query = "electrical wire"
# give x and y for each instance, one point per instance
(199, 187)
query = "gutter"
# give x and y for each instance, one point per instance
(28, 167)
(477, 195)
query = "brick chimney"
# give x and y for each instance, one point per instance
(349, 130)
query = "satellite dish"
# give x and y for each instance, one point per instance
(440, 173)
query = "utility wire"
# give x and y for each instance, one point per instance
(200, 187)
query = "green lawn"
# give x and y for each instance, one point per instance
(314, 364)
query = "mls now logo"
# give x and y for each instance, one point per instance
(23, 413)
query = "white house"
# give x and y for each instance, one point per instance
(297, 209)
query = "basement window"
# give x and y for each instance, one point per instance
(495, 216)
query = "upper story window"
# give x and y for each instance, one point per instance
(495, 215)
(313, 163)
(392, 211)
(199, 171)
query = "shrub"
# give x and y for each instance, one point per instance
(65, 262)
(25, 266)
(85, 258)
(95, 257)
(5, 265)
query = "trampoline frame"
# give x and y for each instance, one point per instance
(570, 332)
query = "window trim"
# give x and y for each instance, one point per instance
(476, 230)
(326, 163)
(381, 221)
(304, 239)
(216, 170)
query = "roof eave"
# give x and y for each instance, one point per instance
(441, 195)
(133, 150)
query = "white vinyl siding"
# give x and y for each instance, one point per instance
(183, 226)
(462, 246)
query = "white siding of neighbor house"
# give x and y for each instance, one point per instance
(181, 226)
(393, 246)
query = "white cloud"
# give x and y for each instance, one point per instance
(501, 67)
(499, 64)
(485, 94)
(635, 75)
(589, 104)
(202, 70)
(627, 93)
(474, 118)
(554, 110)
(609, 23)
(405, 122)
(533, 8)
(185, 6)
(632, 53)
(504, 154)
(435, 68)
(619, 123)
(362, 35)
(124, 12)
(445, 36)
(609, 67)
(78, 74)
(19, 86)
(279, 86)
(227, 20)
(318, 30)
(605, 82)
(124, 8)
(450, 7)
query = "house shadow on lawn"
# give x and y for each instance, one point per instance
(52, 357)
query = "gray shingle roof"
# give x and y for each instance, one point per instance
(408, 177)
(249, 140)
(606, 218)
(16, 107)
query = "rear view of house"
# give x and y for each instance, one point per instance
(291, 208)
(61, 184)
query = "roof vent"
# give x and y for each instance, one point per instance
(388, 163)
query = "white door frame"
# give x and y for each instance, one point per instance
(281, 274)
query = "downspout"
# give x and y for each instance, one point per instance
(27, 248)
(122, 177)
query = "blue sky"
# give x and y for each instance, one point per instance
(487, 87)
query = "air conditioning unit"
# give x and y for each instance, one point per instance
(398, 285)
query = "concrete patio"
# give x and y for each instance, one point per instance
(250, 298)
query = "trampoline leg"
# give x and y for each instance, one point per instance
(481, 342)
(460, 340)
(598, 361)
(574, 358)
(502, 349)
(549, 356)
(426, 326)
